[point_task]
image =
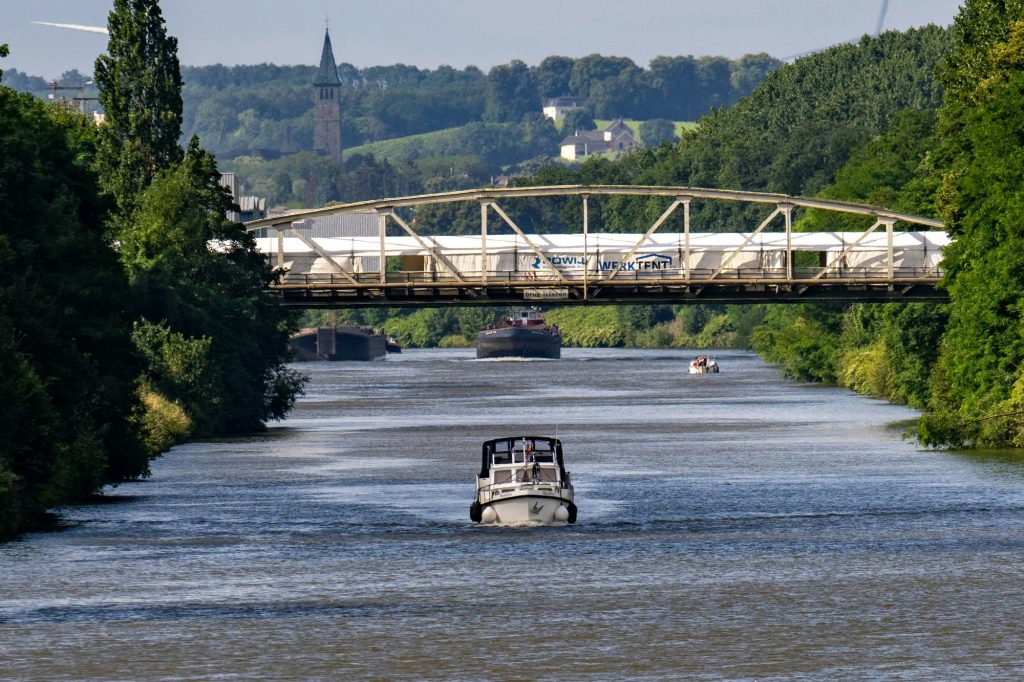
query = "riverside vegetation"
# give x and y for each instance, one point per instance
(131, 348)
(121, 331)
(926, 121)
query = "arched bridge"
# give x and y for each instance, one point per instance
(372, 253)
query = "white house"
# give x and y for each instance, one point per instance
(617, 137)
(557, 107)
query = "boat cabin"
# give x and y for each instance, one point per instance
(523, 459)
(530, 317)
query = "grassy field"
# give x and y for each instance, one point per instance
(426, 145)
(635, 126)
(401, 147)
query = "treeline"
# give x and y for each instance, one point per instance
(239, 110)
(928, 121)
(469, 156)
(123, 329)
(683, 326)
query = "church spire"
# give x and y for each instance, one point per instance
(327, 74)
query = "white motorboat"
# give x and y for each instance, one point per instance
(703, 364)
(523, 479)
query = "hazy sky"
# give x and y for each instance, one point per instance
(426, 33)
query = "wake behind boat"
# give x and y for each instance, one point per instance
(523, 479)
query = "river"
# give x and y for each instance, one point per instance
(731, 526)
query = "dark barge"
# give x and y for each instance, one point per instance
(338, 343)
(523, 335)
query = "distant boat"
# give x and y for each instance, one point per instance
(702, 364)
(524, 334)
(338, 343)
(523, 479)
(391, 345)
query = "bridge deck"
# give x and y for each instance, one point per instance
(749, 285)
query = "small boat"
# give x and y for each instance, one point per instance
(392, 345)
(523, 334)
(523, 480)
(702, 364)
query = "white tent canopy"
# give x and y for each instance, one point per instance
(608, 251)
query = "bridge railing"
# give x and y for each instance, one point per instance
(668, 277)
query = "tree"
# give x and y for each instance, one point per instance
(512, 93)
(66, 360)
(656, 131)
(140, 90)
(4, 51)
(626, 94)
(595, 68)
(578, 119)
(675, 88)
(750, 70)
(553, 76)
(978, 387)
(210, 306)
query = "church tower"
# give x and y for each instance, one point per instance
(327, 104)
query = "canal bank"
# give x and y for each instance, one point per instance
(730, 526)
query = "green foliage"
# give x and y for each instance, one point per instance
(802, 339)
(221, 343)
(553, 74)
(976, 394)
(423, 328)
(802, 124)
(65, 356)
(512, 93)
(181, 367)
(596, 327)
(162, 423)
(656, 131)
(578, 119)
(264, 109)
(607, 326)
(140, 91)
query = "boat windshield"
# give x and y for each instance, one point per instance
(522, 451)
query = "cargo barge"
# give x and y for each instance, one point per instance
(338, 344)
(523, 335)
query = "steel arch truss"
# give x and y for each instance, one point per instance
(653, 266)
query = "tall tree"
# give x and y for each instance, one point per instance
(140, 90)
(553, 75)
(230, 331)
(512, 93)
(978, 391)
(67, 369)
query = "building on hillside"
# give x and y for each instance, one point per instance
(327, 104)
(617, 137)
(557, 107)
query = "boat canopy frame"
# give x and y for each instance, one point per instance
(540, 444)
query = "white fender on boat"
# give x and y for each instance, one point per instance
(562, 513)
(490, 516)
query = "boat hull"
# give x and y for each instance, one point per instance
(518, 342)
(704, 370)
(528, 507)
(338, 344)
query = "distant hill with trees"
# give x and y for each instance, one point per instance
(238, 110)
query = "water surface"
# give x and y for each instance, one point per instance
(731, 526)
